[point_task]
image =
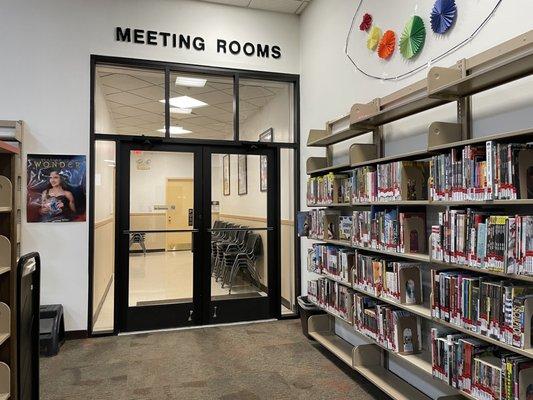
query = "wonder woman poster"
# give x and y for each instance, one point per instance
(56, 188)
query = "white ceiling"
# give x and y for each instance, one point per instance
(133, 100)
(283, 6)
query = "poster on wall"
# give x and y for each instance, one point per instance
(266, 136)
(56, 187)
(242, 174)
(225, 175)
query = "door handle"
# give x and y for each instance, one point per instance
(214, 311)
(191, 312)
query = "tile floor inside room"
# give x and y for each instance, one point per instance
(164, 277)
(269, 360)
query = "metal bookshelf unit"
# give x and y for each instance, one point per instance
(10, 220)
(507, 62)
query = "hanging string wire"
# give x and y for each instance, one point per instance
(421, 67)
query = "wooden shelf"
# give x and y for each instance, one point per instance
(8, 147)
(524, 352)
(526, 278)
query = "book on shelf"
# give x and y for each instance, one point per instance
(390, 230)
(331, 296)
(364, 185)
(328, 189)
(303, 220)
(402, 181)
(393, 280)
(394, 329)
(493, 171)
(482, 370)
(332, 261)
(345, 227)
(500, 310)
(500, 243)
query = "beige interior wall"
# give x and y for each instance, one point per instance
(150, 221)
(104, 209)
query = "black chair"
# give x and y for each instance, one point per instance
(247, 260)
(230, 248)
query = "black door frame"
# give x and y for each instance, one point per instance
(247, 309)
(165, 316)
(167, 67)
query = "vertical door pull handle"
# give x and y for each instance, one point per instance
(190, 315)
(214, 311)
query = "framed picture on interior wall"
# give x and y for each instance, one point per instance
(56, 188)
(266, 136)
(226, 175)
(242, 174)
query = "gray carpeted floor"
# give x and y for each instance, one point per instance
(244, 362)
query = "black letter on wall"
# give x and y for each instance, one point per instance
(221, 45)
(123, 35)
(276, 52)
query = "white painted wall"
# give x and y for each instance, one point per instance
(45, 81)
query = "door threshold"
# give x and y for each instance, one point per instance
(187, 328)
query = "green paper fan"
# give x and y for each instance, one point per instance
(413, 37)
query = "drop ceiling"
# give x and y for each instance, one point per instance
(283, 6)
(133, 101)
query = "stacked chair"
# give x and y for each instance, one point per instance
(233, 250)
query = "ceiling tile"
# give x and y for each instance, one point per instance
(216, 97)
(153, 106)
(284, 6)
(127, 98)
(238, 3)
(250, 92)
(123, 82)
(150, 92)
(127, 111)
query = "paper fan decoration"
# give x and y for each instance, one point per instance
(442, 15)
(373, 38)
(366, 23)
(387, 44)
(413, 37)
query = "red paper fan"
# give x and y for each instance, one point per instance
(366, 23)
(387, 45)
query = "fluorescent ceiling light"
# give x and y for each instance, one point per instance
(175, 130)
(190, 82)
(185, 102)
(177, 110)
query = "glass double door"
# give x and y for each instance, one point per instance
(198, 236)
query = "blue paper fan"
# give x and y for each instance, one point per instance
(443, 15)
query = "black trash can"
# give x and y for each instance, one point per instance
(307, 309)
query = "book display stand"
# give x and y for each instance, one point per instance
(10, 223)
(507, 62)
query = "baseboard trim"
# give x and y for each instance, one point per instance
(76, 335)
(102, 300)
(286, 303)
(148, 251)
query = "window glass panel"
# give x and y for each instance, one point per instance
(266, 111)
(104, 237)
(288, 296)
(129, 101)
(201, 106)
(239, 242)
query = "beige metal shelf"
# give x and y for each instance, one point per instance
(507, 69)
(8, 147)
(5, 381)
(333, 168)
(339, 281)
(526, 134)
(346, 243)
(376, 203)
(330, 135)
(524, 352)
(526, 278)
(419, 154)
(322, 329)
(410, 106)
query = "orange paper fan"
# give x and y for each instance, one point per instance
(387, 44)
